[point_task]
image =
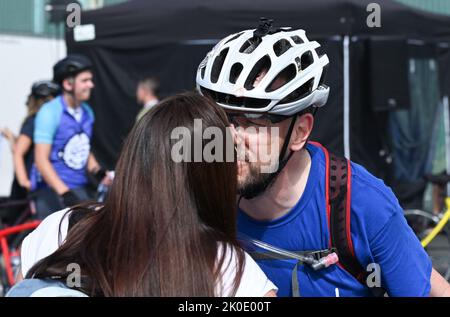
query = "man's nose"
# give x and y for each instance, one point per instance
(236, 132)
(241, 137)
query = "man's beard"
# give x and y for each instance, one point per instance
(255, 183)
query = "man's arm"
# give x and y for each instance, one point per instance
(93, 167)
(439, 286)
(406, 268)
(92, 164)
(42, 154)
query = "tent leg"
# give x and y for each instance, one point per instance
(346, 55)
(447, 138)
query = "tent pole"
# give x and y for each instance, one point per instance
(447, 138)
(346, 53)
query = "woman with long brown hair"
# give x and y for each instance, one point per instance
(167, 228)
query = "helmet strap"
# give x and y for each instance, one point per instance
(72, 92)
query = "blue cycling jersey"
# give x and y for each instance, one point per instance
(380, 234)
(70, 140)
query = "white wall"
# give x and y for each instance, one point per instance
(23, 60)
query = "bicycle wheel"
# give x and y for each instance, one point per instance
(422, 223)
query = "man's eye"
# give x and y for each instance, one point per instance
(255, 122)
(243, 121)
(259, 122)
(240, 121)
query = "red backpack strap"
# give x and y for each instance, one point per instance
(340, 216)
(338, 197)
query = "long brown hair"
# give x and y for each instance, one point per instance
(34, 104)
(164, 223)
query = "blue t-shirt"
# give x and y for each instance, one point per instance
(69, 135)
(49, 119)
(27, 129)
(379, 232)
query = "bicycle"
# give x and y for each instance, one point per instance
(428, 226)
(11, 235)
(14, 231)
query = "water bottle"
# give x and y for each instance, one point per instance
(102, 190)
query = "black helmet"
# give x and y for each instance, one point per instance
(70, 66)
(44, 88)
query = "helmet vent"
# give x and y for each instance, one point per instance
(234, 101)
(217, 65)
(250, 45)
(306, 60)
(281, 47)
(323, 76)
(284, 77)
(202, 72)
(301, 92)
(235, 71)
(258, 72)
(297, 39)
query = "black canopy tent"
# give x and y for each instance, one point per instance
(168, 39)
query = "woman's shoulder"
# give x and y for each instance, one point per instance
(45, 239)
(253, 283)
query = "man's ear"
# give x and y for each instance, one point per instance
(301, 132)
(68, 84)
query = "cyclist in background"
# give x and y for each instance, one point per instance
(22, 146)
(62, 136)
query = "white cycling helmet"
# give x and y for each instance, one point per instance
(265, 71)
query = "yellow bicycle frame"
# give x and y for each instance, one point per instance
(439, 226)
